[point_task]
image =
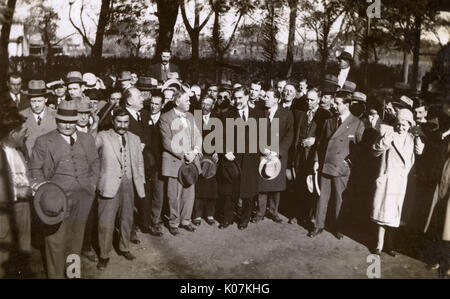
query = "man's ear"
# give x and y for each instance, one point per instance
(45, 101)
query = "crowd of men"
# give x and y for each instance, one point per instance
(82, 159)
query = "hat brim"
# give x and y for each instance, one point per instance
(32, 95)
(181, 176)
(66, 118)
(75, 81)
(262, 173)
(208, 160)
(48, 220)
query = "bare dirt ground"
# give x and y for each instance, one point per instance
(263, 250)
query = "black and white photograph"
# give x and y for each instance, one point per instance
(212, 141)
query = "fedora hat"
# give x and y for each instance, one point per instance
(173, 75)
(147, 83)
(188, 174)
(345, 56)
(74, 77)
(124, 76)
(36, 88)
(229, 170)
(269, 168)
(330, 84)
(348, 86)
(50, 204)
(90, 79)
(359, 96)
(225, 84)
(209, 167)
(67, 111)
(83, 106)
(312, 182)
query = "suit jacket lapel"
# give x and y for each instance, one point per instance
(344, 126)
(401, 150)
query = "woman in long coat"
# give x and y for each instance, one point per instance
(438, 224)
(397, 148)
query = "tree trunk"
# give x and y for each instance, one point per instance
(405, 66)
(97, 49)
(216, 43)
(4, 41)
(291, 38)
(366, 53)
(416, 51)
(167, 16)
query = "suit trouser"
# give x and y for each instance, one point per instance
(331, 187)
(157, 198)
(68, 239)
(15, 236)
(89, 232)
(181, 202)
(204, 207)
(229, 206)
(247, 208)
(274, 200)
(120, 207)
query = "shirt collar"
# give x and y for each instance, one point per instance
(67, 138)
(133, 112)
(345, 116)
(40, 114)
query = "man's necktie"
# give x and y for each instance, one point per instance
(310, 116)
(138, 116)
(72, 141)
(124, 141)
(243, 115)
(339, 123)
(39, 119)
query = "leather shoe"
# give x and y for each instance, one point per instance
(196, 222)
(156, 231)
(135, 241)
(102, 263)
(375, 251)
(188, 227)
(277, 219)
(392, 253)
(174, 231)
(315, 232)
(292, 221)
(256, 219)
(339, 236)
(128, 256)
(210, 221)
(224, 225)
(242, 226)
(90, 255)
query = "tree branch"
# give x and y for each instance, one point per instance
(233, 33)
(185, 19)
(64, 38)
(85, 39)
(206, 20)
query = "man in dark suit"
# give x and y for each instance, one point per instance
(39, 118)
(182, 143)
(269, 190)
(246, 156)
(161, 70)
(105, 114)
(68, 159)
(157, 182)
(254, 101)
(206, 189)
(336, 150)
(139, 125)
(344, 59)
(14, 93)
(308, 128)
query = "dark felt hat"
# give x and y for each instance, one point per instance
(188, 174)
(36, 88)
(209, 167)
(345, 56)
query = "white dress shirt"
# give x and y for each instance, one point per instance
(245, 111)
(272, 112)
(342, 77)
(37, 115)
(206, 118)
(344, 116)
(67, 138)
(154, 118)
(134, 113)
(18, 169)
(182, 116)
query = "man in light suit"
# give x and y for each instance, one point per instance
(161, 70)
(122, 170)
(39, 118)
(179, 124)
(68, 159)
(337, 149)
